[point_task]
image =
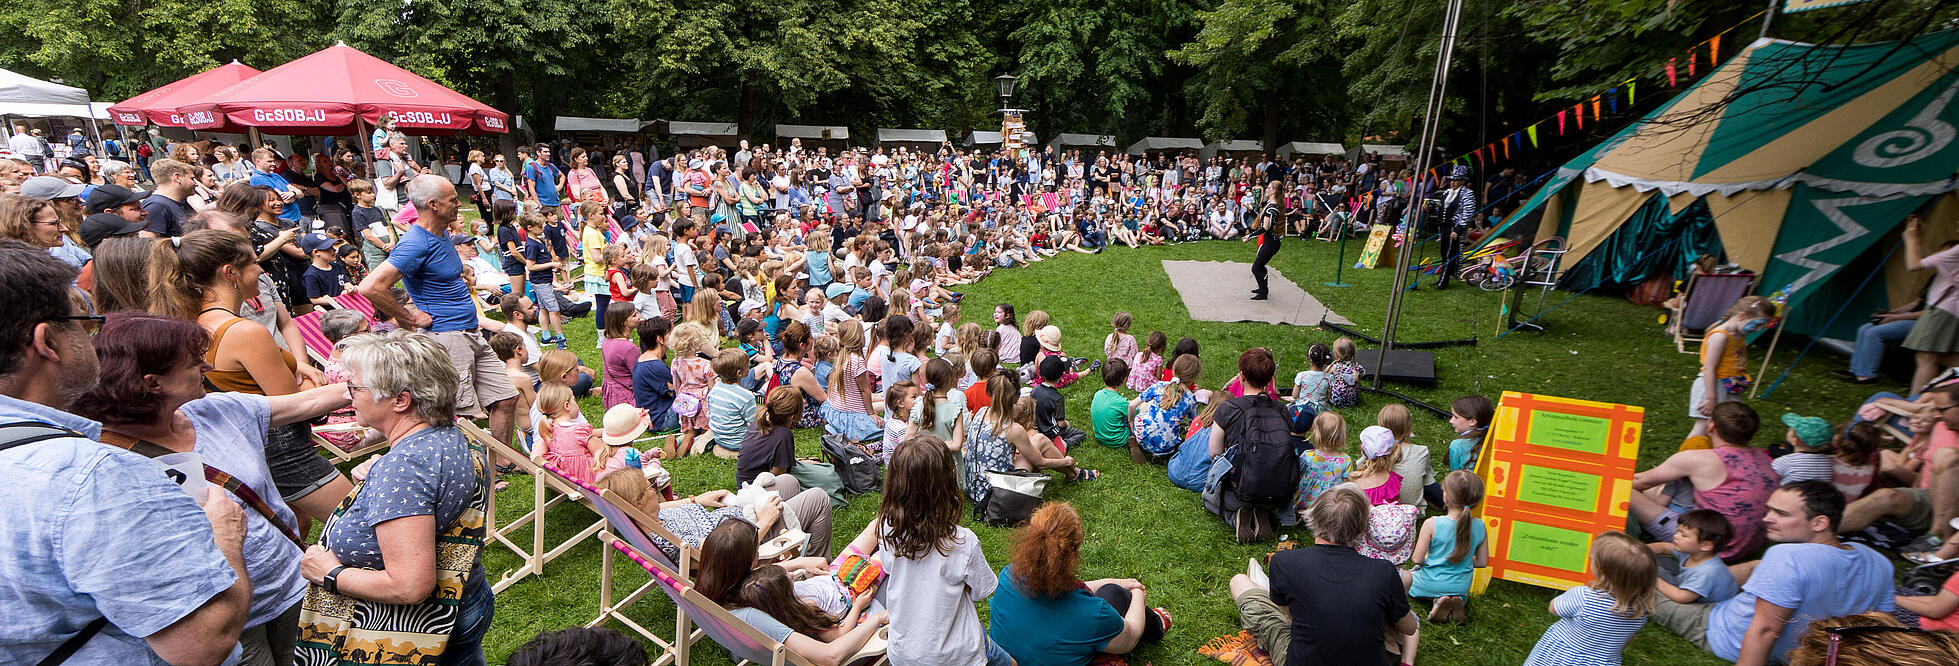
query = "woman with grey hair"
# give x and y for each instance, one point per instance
(118, 172)
(403, 554)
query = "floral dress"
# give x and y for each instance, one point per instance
(1157, 427)
(785, 370)
(1144, 371)
(692, 375)
(1313, 388)
(986, 451)
(1320, 472)
(1343, 387)
(1122, 346)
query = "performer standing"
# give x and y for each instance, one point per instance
(1458, 211)
(1269, 227)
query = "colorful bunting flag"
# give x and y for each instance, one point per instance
(1532, 131)
(1595, 105)
(1673, 79)
(1691, 58)
(1612, 100)
(1578, 111)
(1714, 50)
(1632, 89)
(1561, 122)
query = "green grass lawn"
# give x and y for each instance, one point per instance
(1597, 348)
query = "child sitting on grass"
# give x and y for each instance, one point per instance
(1165, 406)
(730, 408)
(1470, 415)
(1810, 437)
(1149, 362)
(898, 399)
(570, 443)
(1418, 486)
(1120, 344)
(1596, 621)
(1854, 466)
(1109, 412)
(1443, 550)
(1310, 386)
(1325, 465)
(1689, 571)
(1343, 377)
(1051, 409)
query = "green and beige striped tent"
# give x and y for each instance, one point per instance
(1797, 161)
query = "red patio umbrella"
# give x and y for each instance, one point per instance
(159, 106)
(341, 91)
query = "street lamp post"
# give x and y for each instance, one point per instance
(1011, 126)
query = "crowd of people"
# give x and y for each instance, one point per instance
(741, 297)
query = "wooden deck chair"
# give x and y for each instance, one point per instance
(626, 524)
(317, 346)
(747, 644)
(1701, 304)
(548, 489)
(353, 300)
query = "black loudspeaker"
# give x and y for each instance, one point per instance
(1405, 366)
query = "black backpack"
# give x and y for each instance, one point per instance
(856, 467)
(1267, 471)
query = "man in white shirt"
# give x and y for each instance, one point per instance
(28, 148)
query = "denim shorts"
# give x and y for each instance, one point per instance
(996, 655)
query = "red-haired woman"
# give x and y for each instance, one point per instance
(1044, 614)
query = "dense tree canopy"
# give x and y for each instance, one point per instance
(1274, 70)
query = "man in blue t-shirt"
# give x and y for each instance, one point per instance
(265, 171)
(426, 263)
(1808, 575)
(543, 180)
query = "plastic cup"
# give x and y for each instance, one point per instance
(186, 470)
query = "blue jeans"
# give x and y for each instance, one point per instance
(1869, 351)
(996, 655)
(477, 606)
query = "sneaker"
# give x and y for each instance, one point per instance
(1247, 531)
(1262, 525)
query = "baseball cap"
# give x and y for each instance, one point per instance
(1376, 441)
(1813, 430)
(49, 188)
(461, 239)
(314, 242)
(749, 305)
(109, 196)
(102, 226)
(836, 289)
(1302, 417)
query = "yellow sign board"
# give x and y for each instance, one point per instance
(1377, 239)
(1556, 472)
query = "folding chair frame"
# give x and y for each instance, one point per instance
(1682, 338)
(543, 484)
(614, 531)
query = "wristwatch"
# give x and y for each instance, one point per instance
(332, 579)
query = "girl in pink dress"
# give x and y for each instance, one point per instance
(1149, 362)
(569, 445)
(693, 375)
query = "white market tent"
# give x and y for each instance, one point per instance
(1309, 149)
(694, 135)
(612, 125)
(1065, 140)
(1160, 143)
(1388, 153)
(985, 138)
(909, 137)
(22, 95)
(808, 132)
(1231, 148)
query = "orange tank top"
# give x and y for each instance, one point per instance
(240, 380)
(1729, 365)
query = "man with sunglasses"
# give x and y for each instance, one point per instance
(107, 560)
(1806, 576)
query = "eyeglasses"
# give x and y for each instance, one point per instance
(90, 322)
(351, 387)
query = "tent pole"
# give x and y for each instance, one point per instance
(1784, 325)
(360, 143)
(1431, 123)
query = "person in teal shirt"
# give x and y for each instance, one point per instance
(1109, 412)
(1449, 549)
(1044, 615)
(1470, 415)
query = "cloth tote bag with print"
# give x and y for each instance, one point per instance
(339, 630)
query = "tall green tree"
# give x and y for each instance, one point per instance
(120, 48)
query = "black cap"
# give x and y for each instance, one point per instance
(100, 226)
(106, 197)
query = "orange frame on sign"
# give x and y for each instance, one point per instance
(1556, 472)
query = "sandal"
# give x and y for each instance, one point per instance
(1164, 616)
(1921, 557)
(1085, 474)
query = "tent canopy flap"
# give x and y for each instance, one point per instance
(1155, 143)
(1064, 140)
(701, 129)
(615, 125)
(910, 136)
(836, 132)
